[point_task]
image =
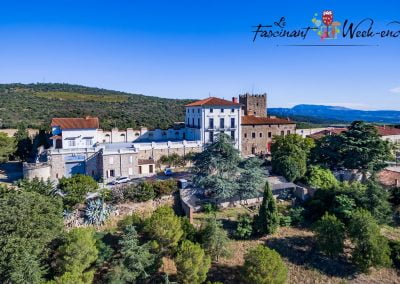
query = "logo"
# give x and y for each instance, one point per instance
(327, 28)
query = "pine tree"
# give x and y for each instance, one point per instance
(215, 239)
(267, 220)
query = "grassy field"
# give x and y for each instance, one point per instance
(79, 97)
(298, 249)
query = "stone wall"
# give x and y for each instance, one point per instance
(256, 139)
(39, 170)
(254, 104)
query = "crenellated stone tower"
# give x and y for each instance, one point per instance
(254, 104)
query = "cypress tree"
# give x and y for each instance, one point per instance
(267, 220)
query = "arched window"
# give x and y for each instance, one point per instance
(108, 138)
(123, 137)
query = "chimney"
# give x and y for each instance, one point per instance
(235, 100)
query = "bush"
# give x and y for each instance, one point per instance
(371, 248)
(210, 208)
(140, 193)
(117, 195)
(263, 265)
(164, 227)
(330, 234)
(131, 220)
(192, 263)
(296, 215)
(165, 187)
(284, 221)
(395, 253)
(189, 231)
(244, 227)
(76, 188)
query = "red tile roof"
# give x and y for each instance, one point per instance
(76, 123)
(212, 101)
(256, 120)
(389, 178)
(382, 131)
(387, 131)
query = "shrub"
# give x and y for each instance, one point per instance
(319, 177)
(165, 227)
(165, 187)
(371, 248)
(215, 239)
(140, 193)
(210, 208)
(192, 263)
(117, 195)
(263, 265)
(284, 221)
(76, 188)
(244, 227)
(296, 215)
(97, 212)
(395, 253)
(330, 234)
(131, 220)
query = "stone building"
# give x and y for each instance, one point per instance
(258, 129)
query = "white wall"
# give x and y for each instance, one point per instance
(78, 135)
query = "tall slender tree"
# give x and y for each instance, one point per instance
(267, 220)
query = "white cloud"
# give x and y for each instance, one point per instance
(395, 90)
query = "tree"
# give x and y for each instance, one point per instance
(363, 149)
(216, 168)
(77, 254)
(165, 227)
(37, 185)
(24, 143)
(29, 222)
(135, 262)
(7, 147)
(263, 265)
(371, 248)
(244, 227)
(251, 178)
(319, 177)
(192, 263)
(215, 239)
(76, 188)
(330, 234)
(376, 201)
(267, 219)
(289, 155)
(327, 152)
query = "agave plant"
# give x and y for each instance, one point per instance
(97, 212)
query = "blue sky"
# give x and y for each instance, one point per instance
(190, 49)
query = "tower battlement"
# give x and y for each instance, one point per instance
(254, 104)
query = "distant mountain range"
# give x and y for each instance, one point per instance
(335, 114)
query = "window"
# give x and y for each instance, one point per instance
(211, 110)
(151, 169)
(130, 159)
(89, 142)
(198, 110)
(221, 123)
(282, 132)
(198, 122)
(193, 122)
(130, 171)
(211, 136)
(253, 135)
(288, 132)
(233, 134)
(222, 110)
(260, 134)
(188, 123)
(140, 170)
(245, 135)
(112, 173)
(232, 110)
(71, 143)
(123, 137)
(111, 160)
(232, 122)
(269, 134)
(211, 123)
(192, 110)
(108, 138)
